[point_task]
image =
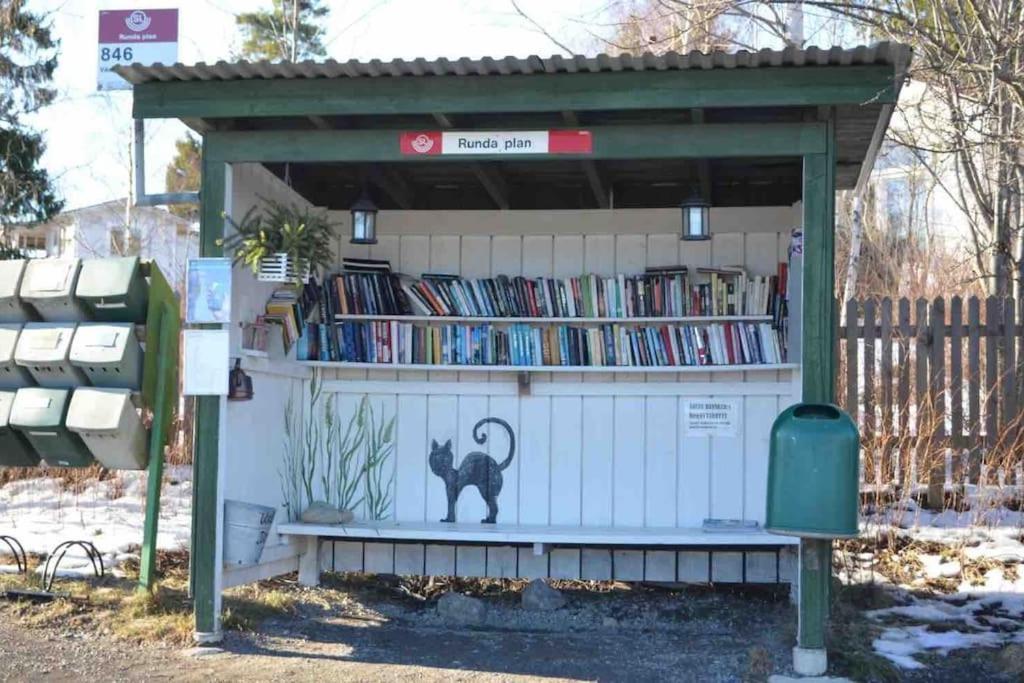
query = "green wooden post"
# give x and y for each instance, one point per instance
(818, 372)
(157, 441)
(207, 425)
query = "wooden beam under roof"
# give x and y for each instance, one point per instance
(320, 122)
(597, 185)
(703, 165)
(493, 183)
(393, 184)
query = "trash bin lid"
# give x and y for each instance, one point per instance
(49, 278)
(44, 342)
(8, 341)
(107, 277)
(98, 410)
(100, 343)
(38, 407)
(10, 278)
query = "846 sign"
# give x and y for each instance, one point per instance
(135, 36)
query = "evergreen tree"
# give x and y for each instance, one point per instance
(290, 30)
(184, 174)
(28, 57)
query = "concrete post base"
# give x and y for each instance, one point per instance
(810, 661)
(207, 637)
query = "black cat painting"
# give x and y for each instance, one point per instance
(476, 469)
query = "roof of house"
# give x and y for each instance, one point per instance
(880, 53)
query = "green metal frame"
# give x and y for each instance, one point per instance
(814, 142)
(817, 365)
(159, 391)
(207, 424)
(696, 141)
(625, 90)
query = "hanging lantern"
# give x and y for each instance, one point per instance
(696, 219)
(239, 384)
(364, 221)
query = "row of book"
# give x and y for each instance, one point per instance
(732, 343)
(658, 292)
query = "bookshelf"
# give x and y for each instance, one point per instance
(695, 319)
(434, 367)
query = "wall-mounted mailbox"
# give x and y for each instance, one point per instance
(109, 354)
(15, 450)
(43, 349)
(12, 308)
(12, 375)
(49, 285)
(113, 289)
(108, 423)
(39, 415)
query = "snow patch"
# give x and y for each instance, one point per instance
(41, 515)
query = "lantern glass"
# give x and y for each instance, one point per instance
(696, 220)
(364, 222)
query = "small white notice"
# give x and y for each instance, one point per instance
(710, 417)
(206, 363)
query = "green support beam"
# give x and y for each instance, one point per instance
(610, 142)
(624, 90)
(207, 426)
(817, 367)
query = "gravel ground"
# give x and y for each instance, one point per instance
(622, 635)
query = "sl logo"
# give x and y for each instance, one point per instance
(422, 143)
(138, 21)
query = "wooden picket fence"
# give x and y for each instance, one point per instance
(937, 393)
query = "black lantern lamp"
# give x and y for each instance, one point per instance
(696, 219)
(364, 221)
(239, 384)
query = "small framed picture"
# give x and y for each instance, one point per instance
(208, 291)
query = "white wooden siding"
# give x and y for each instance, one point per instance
(593, 449)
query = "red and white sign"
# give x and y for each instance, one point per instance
(429, 143)
(135, 36)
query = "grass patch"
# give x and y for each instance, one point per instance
(116, 606)
(851, 634)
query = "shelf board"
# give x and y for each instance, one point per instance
(529, 534)
(547, 368)
(489, 319)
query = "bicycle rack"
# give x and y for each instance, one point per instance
(18, 551)
(50, 571)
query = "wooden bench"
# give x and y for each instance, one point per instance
(541, 538)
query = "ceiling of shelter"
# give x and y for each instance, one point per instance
(546, 184)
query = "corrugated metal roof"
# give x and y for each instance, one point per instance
(894, 54)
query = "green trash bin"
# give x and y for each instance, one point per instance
(39, 414)
(15, 450)
(12, 308)
(113, 289)
(12, 375)
(812, 473)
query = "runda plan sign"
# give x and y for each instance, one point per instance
(134, 36)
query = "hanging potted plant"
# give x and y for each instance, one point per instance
(281, 242)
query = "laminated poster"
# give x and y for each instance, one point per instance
(208, 291)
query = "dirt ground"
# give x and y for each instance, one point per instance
(362, 631)
(619, 635)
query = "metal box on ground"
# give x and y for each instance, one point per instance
(12, 375)
(39, 414)
(15, 450)
(113, 289)
(812, 472)
(44, 350)
(109, 354)
(12, 308)
(111, 428)
(49, 286)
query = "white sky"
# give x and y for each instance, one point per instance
(87, 133)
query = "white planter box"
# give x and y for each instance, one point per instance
(281, 268)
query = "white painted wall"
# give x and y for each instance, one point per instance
(594, 449)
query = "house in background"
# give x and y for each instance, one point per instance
(106, 230)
